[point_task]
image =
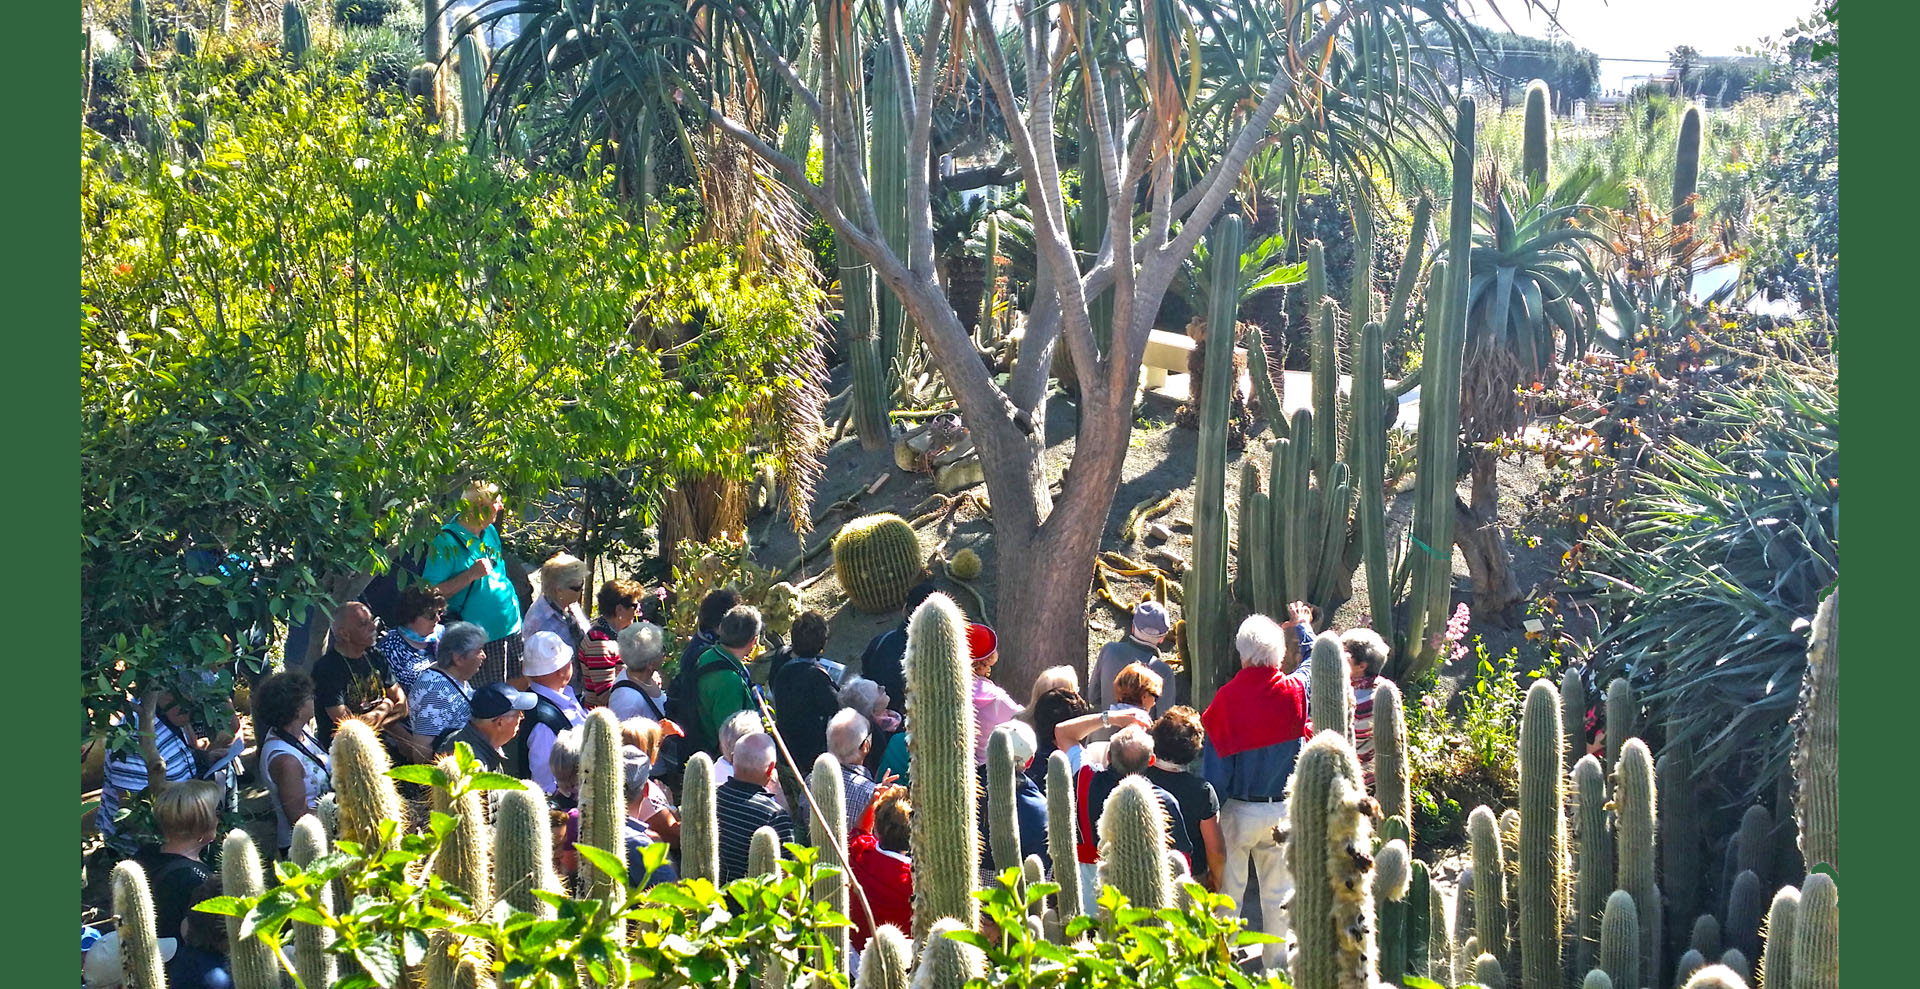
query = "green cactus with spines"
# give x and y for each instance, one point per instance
(1393, 908)
(186, 41)
(877, 558)
(891, 136)
(1487, 972)
(845, 101)
(1776, 954)
(367, 795)
(1680, 851)
(1133, 837)
(1596, 979)
(523, 852)
(1533, 144)
(1441, 361)
(699, 823)
(1705, 937)
(1469, 950)
(887, 961)
(463, 862)
(473, 84)
(945, 829)
(141, 24)
(830, 798)
(1463, 922)
(1746, 911)
(1257, 575)
(1716, 977)
(1323, 359)
(1634, 803)
(1754, 843)
(603, 804)
(1543, 837)
(1032, 871)
(1439, 937)
(296, 33)
(1330, 698)
(1686, 166)
(763, 853)
(1816, 744)
(1367, 445)
(1622, 718)
(1691, 961)
(1060, 836)
(327, 809)
(140, 963)
(312, 962)
(249, 958)
(1003, 823)
(1816, 935)
(1419, 940)
(1329, 833)
(1573, 714)
(1620, 939)
(1736, 960)
(1594, 874)
(1489, 881)
(1209, 635)
(945, 963)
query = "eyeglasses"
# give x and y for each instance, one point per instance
(629, 604)
(577, 588)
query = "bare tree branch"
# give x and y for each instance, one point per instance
(919, 197)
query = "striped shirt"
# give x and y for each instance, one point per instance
(1363, 724)
(742, 809)
(127, 771)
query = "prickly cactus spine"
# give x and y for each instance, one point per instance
(1392, 888)
(1816, 935)
(367, 795)
(1003, 824)
(249, 958)
(945, 830)
(139, 944)
(887, 960)
(944, 962)
(1061, 813)
(699, 825)
(877, 558)
(1776, 957)
(830, 797)
(1133, 839)
(1332, 913)
(1594, 876)
(1543, 837)
(311, 959)
(1330, 698)
(1816, 746)
(523, 852)
(1620, 939)
(1489, 881)
(1634, 811)
(1533, 148)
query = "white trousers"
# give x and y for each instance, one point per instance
(1247, 830)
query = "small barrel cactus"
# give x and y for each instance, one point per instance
(249, 958)
(428, 89)
(965, 564)
(1060, 836)
(945, 841)
(1776, 958)
(1133, 837)
(1816, 935)
(1620, 939)
(139, 944)
(699, 823)
(1754, 844)
(877, 558)
(523, 852)
(1329, 835)
(315, 965)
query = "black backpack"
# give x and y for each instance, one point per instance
(683, 701)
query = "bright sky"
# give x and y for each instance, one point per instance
(1651, 28)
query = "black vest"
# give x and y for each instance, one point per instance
(544, 712)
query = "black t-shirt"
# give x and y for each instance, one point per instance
(803, 702)
(1102, 785)
(354, 683)
(1197, 803)
(195, 968)
(884, 662)
(174, 879)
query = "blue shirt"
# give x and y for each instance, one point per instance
(1260, 774)
(490, 601)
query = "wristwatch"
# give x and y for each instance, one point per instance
(1106, 718)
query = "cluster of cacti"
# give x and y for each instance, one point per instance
(877, 558)
(1329, 837)
(296, 34)
(1816, 747)
(1205, 607)
(829, 794)
(1133, 842)
(945, 841)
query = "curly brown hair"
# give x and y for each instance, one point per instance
(278, 698)
(417, 600)
(617, 592)
(1178, 736)
(893, 820)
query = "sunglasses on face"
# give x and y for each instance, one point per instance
(577, 588)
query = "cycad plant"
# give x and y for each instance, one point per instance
(1262, 265)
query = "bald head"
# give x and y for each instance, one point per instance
(847, 736)
(753, 758)
(353, 629)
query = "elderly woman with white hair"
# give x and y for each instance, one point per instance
(563, 585)
(639, 693)
(1255, 727)
(873, 701)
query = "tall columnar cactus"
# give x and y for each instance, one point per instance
(1716, 977)
(1736, 960)
(1391, 781)
(1620, 939)
(1441, 361)
(1060, 838)
(1133, 837)
(846, 105)
(463, 862)
(311, 959)
(1816, 935)
(433, 34)
(186, 41)
(1255, 582)
(1634, 802)
(296, 34)
(1596, 979)
(1543, 837)
(1463, 922)
(1533, 144)
(1686, 166)
(830, 797)
(1594, 875)
(699, 823)
(1420, 921)
(1573, 714)
(1329, 834)
(1776, 957)
(887, 960)
(1329, 698)
(1489, 881)
(141, 23)
(1487, 972)
(1439, 937)
(1003, 822)
(877, 558)
(1746, 907)
(249, 958)
(945, 831)
(1366, 443)
(1754, 843)
(1622, 718)
(1706, 936)
(763, 853)
(139, 941)
(1392, 888)
(1323, 358)
(603, 805)
(1680, 842)
(944, 962)
(367, 795)
(473, 83)
(1209, 637)
(523, 852)
(891, 137)
(1816, 745)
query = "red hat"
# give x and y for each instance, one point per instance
(981, 642)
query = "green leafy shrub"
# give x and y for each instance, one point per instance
(366, 13)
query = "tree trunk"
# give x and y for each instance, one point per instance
(1481, 539)
(701, 509)
(342, 589)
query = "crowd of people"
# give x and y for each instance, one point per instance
(457, 665)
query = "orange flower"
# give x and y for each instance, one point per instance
(123, 268)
